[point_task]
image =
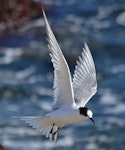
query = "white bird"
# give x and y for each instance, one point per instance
(70, 97)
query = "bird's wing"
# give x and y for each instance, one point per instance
(84, 79)
(63, 90)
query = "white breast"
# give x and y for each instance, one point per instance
(66, 115)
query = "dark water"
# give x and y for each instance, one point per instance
(26, 75)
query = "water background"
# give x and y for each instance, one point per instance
(26, 75)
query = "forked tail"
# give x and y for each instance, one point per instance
(43, 124)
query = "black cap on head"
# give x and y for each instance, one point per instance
(83, 111)
(86, 112)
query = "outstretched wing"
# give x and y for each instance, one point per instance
(63, 91)
(84, 80)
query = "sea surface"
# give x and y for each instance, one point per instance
(26, 75)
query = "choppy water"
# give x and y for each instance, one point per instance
(26, 75)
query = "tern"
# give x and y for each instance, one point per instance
(70, 95)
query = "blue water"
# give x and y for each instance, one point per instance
(26, 75)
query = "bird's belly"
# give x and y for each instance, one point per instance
(71, 119)
(66, 117)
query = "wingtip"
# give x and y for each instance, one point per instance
(43, 12)
(45, 18)
(86, 45)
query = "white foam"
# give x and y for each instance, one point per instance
(118, 69)
(37, 144)
(121, 19)
(10, 54)
(117, 109)
(108, 97)
(25, 73)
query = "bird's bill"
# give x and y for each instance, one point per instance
(92, 120)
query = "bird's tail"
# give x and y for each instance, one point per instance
(43, 124)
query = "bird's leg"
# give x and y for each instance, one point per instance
(56, 131)
(51, 131)
(55, 134)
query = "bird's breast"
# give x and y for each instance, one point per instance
(66, 116)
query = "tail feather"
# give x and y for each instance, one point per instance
(43, 125)
(36, 122)
(46, 131)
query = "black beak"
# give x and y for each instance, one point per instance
(92, 120)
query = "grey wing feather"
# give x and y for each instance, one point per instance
(84, 80)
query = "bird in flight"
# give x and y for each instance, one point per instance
(70, 95)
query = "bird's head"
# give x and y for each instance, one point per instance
(86, 112)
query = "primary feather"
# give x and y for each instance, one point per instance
(84, 80)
